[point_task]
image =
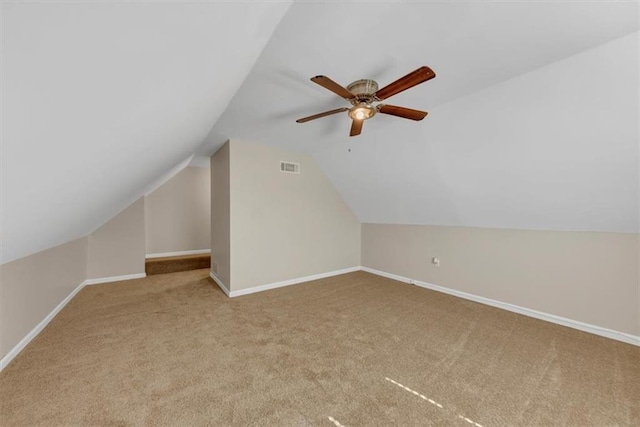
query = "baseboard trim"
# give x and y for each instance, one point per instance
(585, 327)
(114, 279)
(575, 324)
(39, 327)
(180, 253)
(219, 283)
(275, 285)
(290, 282)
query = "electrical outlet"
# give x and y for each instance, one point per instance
(435, 261)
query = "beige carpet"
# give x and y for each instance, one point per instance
(353, 350)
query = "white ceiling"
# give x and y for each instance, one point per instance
(554, 149)
(101, 99)
(470, 46)
(432, 172)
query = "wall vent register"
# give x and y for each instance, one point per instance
(289, 167)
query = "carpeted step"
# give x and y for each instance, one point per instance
(176, 263)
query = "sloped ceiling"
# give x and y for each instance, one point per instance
(553, 149)
(99, 99)
(527, 129)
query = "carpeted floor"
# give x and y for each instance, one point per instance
(352, 350)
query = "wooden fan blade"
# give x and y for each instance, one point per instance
(412, 79)
(319, 115)
(334, 87)
(406, 113)
(356, 127)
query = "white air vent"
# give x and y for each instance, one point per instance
(289, 167)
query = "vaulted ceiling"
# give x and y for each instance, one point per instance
(470, 45)
(100, 100)
(533, 116)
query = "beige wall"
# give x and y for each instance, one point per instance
(33, 286)
(178, 213)
(591, 277)
(118, 247)
(221, 215)
(285, 226)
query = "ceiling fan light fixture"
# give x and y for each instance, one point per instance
(363, 93)
(362, 112)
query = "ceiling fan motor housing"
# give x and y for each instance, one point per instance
(363, 87)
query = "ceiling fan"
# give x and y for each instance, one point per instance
(363, 93)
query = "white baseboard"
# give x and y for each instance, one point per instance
(180, 253)
(291, 282)
(274, 285)
(39, 327)
(219, 283)
(114, 278)
(575, 324)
